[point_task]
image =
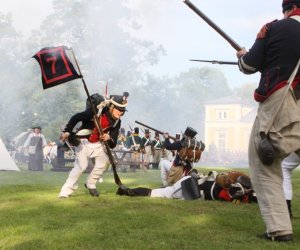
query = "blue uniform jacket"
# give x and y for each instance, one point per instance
(275, 54)
(177, 145)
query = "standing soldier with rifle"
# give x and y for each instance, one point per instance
(134, 142)
(156, 147)
(121, 145)
(109, 113)
(121, 140)
(276, 131)
(146, 146)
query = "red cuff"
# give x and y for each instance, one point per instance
(223, 195)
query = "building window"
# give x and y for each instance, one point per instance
(222, 115)
(222, 141)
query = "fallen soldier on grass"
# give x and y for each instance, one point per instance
(232, 186)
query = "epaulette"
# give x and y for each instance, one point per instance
(263, 31)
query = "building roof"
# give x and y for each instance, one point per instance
(227, 100)
(250, 117)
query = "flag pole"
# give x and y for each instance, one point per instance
(99, 128)
(106, 89)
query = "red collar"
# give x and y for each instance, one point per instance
(296, 12)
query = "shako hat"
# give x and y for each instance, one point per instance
(119, 101)
(147, 131)
(39, 127)
(190, 132)
(136, 130)
(288, 4)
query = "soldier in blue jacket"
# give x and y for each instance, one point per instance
(182, 164)
(276, 130)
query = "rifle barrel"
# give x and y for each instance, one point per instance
(156, 130)
(213, 25)
(215, 61)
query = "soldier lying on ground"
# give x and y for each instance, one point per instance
(231, 186)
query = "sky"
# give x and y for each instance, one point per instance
(182, 33)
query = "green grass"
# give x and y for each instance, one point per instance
(33, 217)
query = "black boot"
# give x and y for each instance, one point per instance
(93, 191)
(123, 190)
(289, 205)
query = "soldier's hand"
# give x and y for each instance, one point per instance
(166, 135)
(64, 136)
(241, 52)
(105, 137)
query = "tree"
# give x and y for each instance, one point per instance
(246, 93)
(194, 88)
(172, 104)
(103, 49)
(11, 75)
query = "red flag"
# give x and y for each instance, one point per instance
(56, 68)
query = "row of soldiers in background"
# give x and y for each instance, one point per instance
(144, 149)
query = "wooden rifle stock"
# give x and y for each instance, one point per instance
(213, 25)
(158, 131)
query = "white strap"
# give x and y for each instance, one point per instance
(212, 191)
(297, 18)
(157, 143)
(146, 142)
(133, 140)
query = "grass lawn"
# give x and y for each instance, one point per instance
(33, 217)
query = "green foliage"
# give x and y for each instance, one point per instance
(196, 87)
(101, 35)
(33, 217)
(177, 102)
(246, 93)
(103, 49)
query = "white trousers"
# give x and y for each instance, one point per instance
(165, 166)
(171, 192)
(288, 165)
(148, 154)
(83, 153)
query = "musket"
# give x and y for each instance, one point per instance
(70, 147)
(156, 130)
(215, 61)
(213, 25)
(133, 130)
(130, 128)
